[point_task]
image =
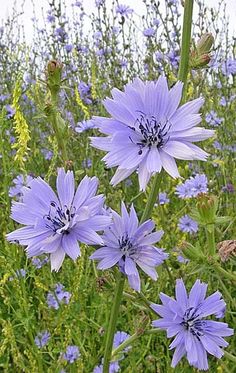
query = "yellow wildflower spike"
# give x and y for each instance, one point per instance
(21, 128)
(81, 104)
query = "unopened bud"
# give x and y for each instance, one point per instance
(207, 207)
(53, 76)
(53, 67)
(205, 44)
(200, 55)
(201, 61)
(191, 252)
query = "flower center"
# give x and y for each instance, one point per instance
(192, 323)
(126, 246)
(58, 219)
(153, 132)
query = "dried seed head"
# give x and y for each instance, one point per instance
(226, 249)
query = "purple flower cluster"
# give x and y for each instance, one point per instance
(128, 244)
(54, 224)
(185, 318)
(85, 92)
(212, 119)
(57, 297)
(193, 186)
(39, 263)
(148, 131)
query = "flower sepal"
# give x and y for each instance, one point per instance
(200, 55)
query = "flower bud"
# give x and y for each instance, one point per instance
(200, 55)
(205, 44)
(207, 207)
(53, 76)
(192, 253)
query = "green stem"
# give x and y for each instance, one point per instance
(131, 339)
(226, 291)
(112, 321)
(152, 197)
(230, 356)
(210, 235)
(53, 117)
(27, 326)
(224, 273)
(186, 38)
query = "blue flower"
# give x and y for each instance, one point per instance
(188, 225)
(20, 273)
(184, 190)
(212, 119)
(149, 32)
(87, 163)
(228, 188)
(199, 184)
(128, 244)
(163, 198)
(54, 224)
(148, 130)
(68, 48)
(72, 353)
(113, 368)
(229, 67)
(223, 101)
(185, 318)
(10, 111)
(50, 17)
(99, 3)
(173, 58)
(42, 339)
(119, 338)
(20, 182)
(61, 34)
(85, 125)
(124, 10)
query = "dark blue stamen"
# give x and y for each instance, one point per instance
(192, 323)
(58, 218)
(152, 131)
(126, 246)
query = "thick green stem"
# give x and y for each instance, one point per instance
(186, 38)
(53, 117)
(211, 245)
(112, 321)
(152, 197)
